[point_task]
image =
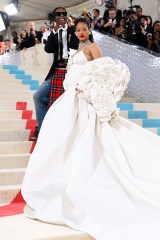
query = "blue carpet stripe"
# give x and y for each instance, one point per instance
(125, 106)
(137, 114)
(151, 123)
(13, 71)
(20, 75)
(10, 67)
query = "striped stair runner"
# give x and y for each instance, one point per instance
(17, 121)
(147, 115)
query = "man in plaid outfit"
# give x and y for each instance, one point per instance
(59, 41)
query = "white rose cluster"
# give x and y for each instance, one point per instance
(103, 85)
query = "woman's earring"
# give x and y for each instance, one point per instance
(76, 34)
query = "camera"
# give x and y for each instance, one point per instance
(109, 4)
(131, 6)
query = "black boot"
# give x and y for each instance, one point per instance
(35, 135)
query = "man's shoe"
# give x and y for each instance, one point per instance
(35, 135)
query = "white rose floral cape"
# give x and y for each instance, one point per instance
(103, 85)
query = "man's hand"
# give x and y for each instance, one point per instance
(59, 23)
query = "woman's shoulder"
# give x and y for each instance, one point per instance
(94, 50)
(93, 46)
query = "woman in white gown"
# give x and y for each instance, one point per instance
(97, 176)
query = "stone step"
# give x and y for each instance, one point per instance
(154, 130)
(19, 227)
(11, 161)
(12, 124)
(16, 147)
(20, 92)
(137, 121)
(10, 82)
(128, 99)
(6, 77)
(12, 105)
(147, 106)
(8, 193)
(11, 176)
(16, 114)
(147, 123)
(14, 86)
(17, 135)
(141, 114)
(139, 106)
(10, 114)
(34, 68)
(22, 98)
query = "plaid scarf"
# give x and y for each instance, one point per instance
(56, 85)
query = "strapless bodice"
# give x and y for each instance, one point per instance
(76, 69)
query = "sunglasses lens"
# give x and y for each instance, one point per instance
(61, 13)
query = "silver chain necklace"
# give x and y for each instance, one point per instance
(84, 43)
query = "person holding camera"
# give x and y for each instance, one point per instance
(60, 40)
(112, 4)
(23, 40)
(132, 27)
(110, 23)
(155, 44)
(145, 32)
(97, 20)
(33, 35)
(120, 31)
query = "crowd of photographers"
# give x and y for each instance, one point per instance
(131, 25)
(27, 38)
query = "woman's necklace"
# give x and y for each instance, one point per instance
(82, 44)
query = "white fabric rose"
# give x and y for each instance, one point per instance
(103, 85)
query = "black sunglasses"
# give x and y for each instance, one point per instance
(60, 13)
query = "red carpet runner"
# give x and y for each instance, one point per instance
(18, 203)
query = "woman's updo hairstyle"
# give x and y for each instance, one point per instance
(83, 20)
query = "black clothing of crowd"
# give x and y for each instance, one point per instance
(132, 26)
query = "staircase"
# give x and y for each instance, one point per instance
(146, 115)
(17, 121)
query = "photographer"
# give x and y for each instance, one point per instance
(97, 20)
(34, 36)
(145, 32)
(110, 23)
(155, 44)
(120, 31)
(132, 27)
(112, 4)
(23, 40)
(138, 12)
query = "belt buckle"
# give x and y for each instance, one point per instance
(63, 63)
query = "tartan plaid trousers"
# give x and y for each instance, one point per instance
(56, 85)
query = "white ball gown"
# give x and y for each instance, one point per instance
(99, 177)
